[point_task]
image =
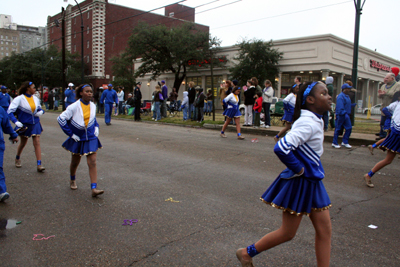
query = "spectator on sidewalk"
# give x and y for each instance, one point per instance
(329, 85)
(257, 109)
(268, 92)
(192, 97)
(5, 98)
(121, 99)
(200, 104)
(164, 90)
(248, 103)
(138, 100)
(185, 104)
(128, 104)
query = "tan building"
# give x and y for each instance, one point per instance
(313, 58)
(9, 42)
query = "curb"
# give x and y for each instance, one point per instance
(271, 133)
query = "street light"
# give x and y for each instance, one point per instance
(82, 64)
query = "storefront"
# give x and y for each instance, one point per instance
(313, 58)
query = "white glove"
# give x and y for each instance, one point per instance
(76, 138)
(39, 113)
(19, 124)
(96, 131)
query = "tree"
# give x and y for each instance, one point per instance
(160, 49)
(37, 65)
(258, 59)
(123, 71)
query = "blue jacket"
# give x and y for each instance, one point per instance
(110, 96)
(21, 108)
(164, 92)
(5, 100)
(343, 105)
(70, 95)
(5, 127)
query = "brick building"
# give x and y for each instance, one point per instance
(105, 33)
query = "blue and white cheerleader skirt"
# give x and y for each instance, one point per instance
(392, 142)
(32, 130)
(82, 148)
(297, 195)
(287, 117)
(232, 113)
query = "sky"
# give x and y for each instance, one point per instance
(234, 20)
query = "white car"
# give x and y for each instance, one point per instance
(375, 110)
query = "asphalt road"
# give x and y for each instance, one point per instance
(217, 182)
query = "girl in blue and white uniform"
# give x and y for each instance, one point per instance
(27, 108)
(391, 143)
(299, 190)
(79, 122)
(231, 111)
(289, 102)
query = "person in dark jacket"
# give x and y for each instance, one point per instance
(192, 97)
(248, 103)
(200, 104)
(51, 99)
(138, 100)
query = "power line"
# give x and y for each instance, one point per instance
(281, 15)
(218, 6)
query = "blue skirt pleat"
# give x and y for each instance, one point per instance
(392, 142)
(82, 148)
(297, 195)
(287, 116)
(33, 130)
(232, 113)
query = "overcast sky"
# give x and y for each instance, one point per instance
(261, 19)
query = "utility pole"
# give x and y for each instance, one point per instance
(212, 83)
(63, 57)
(354, 72)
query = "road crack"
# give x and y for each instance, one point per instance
(366, 200)
(163, 246)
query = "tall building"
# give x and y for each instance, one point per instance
(6, 22)
(9, 42)
(19, 38)
(106, 32)
(32, 37)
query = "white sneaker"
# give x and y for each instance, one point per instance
(152, 119)
(346, 145)
(266, 126)
(4, 196)
(336, 146)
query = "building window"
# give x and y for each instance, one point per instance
(74, 48)
(1, 48)
(2, 42)
(75, 20)
(7, 48)
(87, 46)
(6, 54)
(75, 34)
(6, 36)
(2, 53)
(6, 43)
(52, 29)
(88, 59)
(87, 30)
(14, 38)
(88, 14)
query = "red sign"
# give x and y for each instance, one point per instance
(206, 61)
(378, 66)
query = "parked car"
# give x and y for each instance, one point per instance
(375, 110)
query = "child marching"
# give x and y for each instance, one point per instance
(289, 103)
(299, 190)
(79, 122)
(391, 143)
(231, 107)
(28, 110)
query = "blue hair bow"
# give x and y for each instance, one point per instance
(86, 85)
(307, 91)
(30, 83)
